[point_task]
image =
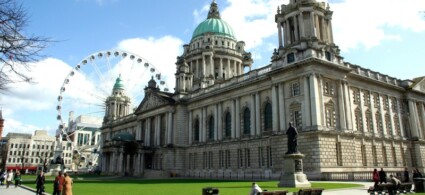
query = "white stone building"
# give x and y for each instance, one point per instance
(223, 123)
(29, 152)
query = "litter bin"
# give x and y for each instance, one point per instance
(419, 184)
(209, 191)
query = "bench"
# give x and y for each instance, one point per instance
(381, 189)
(280, 192)
(310, 191)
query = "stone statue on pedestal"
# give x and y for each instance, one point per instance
(292, 139)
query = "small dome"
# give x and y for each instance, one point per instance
(119, 84)
(215, 26)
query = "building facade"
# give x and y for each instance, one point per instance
(28, 152)
(222, 122)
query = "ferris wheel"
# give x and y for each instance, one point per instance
(86, 88)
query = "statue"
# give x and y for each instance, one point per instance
(59, 160)
(292, 139)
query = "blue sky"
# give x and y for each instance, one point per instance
(384, 36)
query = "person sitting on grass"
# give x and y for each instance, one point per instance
(255, 189)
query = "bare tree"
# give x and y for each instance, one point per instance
(16, 48)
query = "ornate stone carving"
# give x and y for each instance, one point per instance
(152, 101)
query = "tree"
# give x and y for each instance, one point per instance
(16, 48)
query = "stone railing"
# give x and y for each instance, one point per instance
(353, 176)
(375, 75)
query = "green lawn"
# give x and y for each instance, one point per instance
(90, 185)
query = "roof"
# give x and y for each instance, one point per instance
(118, 83)
(214, 26)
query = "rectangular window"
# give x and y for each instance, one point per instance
(260, 157)
(364, 158)
(227, 158)
(195, 160)
(295, 89)
(384, 155)
(375, 158)
(210, 160)
(240, 158)
(247, 157)
(204, 160)
(394, 156)
(269, 157)
(338, 154)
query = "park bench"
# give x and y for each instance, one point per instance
(405, 188)
(382, 189)
(280, 192)
(310, 191)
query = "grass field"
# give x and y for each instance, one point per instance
(96, 185)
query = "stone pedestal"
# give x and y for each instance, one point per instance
(54, 169)
(293, 175)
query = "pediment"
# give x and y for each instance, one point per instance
(419, 85)
(151, 101)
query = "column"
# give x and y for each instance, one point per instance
(136, 163)
(362, 110)
(301, 24)
(282, 110)
(296, 38)
(279, 33)
(348, 110)
(275, 109)
(235, 69)
(287, 32)
(220, 122)
(170, 128)
(197, 68)
(233, 119)
(381, 110)
(158, 130)
(341, 106)
(400, 118)
(142, 162)
(228, 73)
(412, 119)
(306, 120)
(212, 65)
(373, 111)
(253, 131)
(238, 119)
(190, 128)
(313, 24)
(204, 67)
(215, 122)
(257, 114)
(422, 118)
(331, 38)
(111, 161)
(148, 132)
(390, 110)
(120, 162)
(204, 125)
(220, 70)
(314, 98)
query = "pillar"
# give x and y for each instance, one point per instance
(257, 114)
(341, 106)
(282, 110)
(219, 122)
(170, 128)
(314, 98)
(275, 109)
(253, 131)
(306, 120)
(190, 133)
(279, 34)
(238, 118)
(233, 119)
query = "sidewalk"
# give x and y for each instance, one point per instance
(20, 190)
(352, 191)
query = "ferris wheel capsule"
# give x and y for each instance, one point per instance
(100, 55)
(146, 65)
(139, 60)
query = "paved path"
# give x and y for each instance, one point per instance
(15, 191)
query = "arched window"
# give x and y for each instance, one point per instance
(369, 121)
(247, 121)
(268, 117)
(196, 133)
(228, 125)
(359, 121)
(211, 128)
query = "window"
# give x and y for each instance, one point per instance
(268, 117)
(356, 96)
(328, 55)
(364, 158)
(211, 128)
(394, 104)
(358, 118)
(247, 157)
(376, 100)
(328, 88)
(330, 114)
(384, 155)
(379, 122)
(375, 158)
(338, 154)
(366, 98)
(228, 125)
(240, 158)
(290, 58)
(393, 152)
(221, 158)
(269, 156)
(210, 160)
(295, 89)
(260, 157)
(369, 121)
(247, 122)
(196, 133)
(388, 124)
(296, 117)
(397, 125)
(386, 102)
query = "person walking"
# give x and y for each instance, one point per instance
(40, 183)
(58, 184)
(382, 176)
(17, 178)
(406, 175)
(2, 178)
(9, 178)
(395, 185)
(67, 185)
(375, 177)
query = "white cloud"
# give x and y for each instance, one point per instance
(160, 52)
(364, 23)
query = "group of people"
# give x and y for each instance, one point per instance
(381, 177)
(61, 186)
(9, 177)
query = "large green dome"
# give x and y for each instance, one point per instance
(215, 26)
(119, 84)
